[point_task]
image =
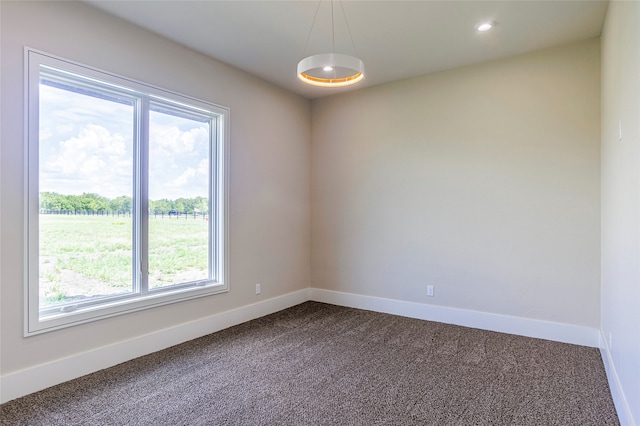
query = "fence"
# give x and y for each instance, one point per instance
(171, 214)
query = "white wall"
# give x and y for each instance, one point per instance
(621, 203)
(269, 196)
(483, 181)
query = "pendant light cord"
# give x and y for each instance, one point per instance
(315, 15)
(333, 31)
(353, 45)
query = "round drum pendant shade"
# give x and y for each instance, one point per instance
(331, 70)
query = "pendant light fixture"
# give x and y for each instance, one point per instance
(331, 69)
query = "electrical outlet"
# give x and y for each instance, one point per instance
(430, 290)
(258, 289)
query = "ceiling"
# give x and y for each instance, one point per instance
(395, 39)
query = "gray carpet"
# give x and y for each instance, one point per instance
(318, 364)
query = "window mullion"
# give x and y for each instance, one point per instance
(142, 196)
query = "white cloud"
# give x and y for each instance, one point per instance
(85, 153)
(171, 140)
(64, 129)
(93, 161)
(45, 134)
(86, 145)
(182, 180)
(92, 165)
(191, 182)
(203, 167)
(178, 157)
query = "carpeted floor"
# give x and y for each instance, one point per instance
(318, 364)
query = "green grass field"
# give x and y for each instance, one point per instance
(89, 256)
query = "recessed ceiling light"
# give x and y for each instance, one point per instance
(485, 26)
(327, 68)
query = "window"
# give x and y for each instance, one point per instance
(126, 194)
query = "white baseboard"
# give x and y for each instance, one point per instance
(24, 382)
(548, 330)
(622, 406)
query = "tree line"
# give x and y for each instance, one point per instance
(89, 202)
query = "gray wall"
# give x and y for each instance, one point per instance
(621, 196)
(269, 193)
(483, 181)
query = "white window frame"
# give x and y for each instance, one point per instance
(38, 321)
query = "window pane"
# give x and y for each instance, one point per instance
(179, 177)
(85, 193)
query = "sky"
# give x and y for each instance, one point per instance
(86, 145)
